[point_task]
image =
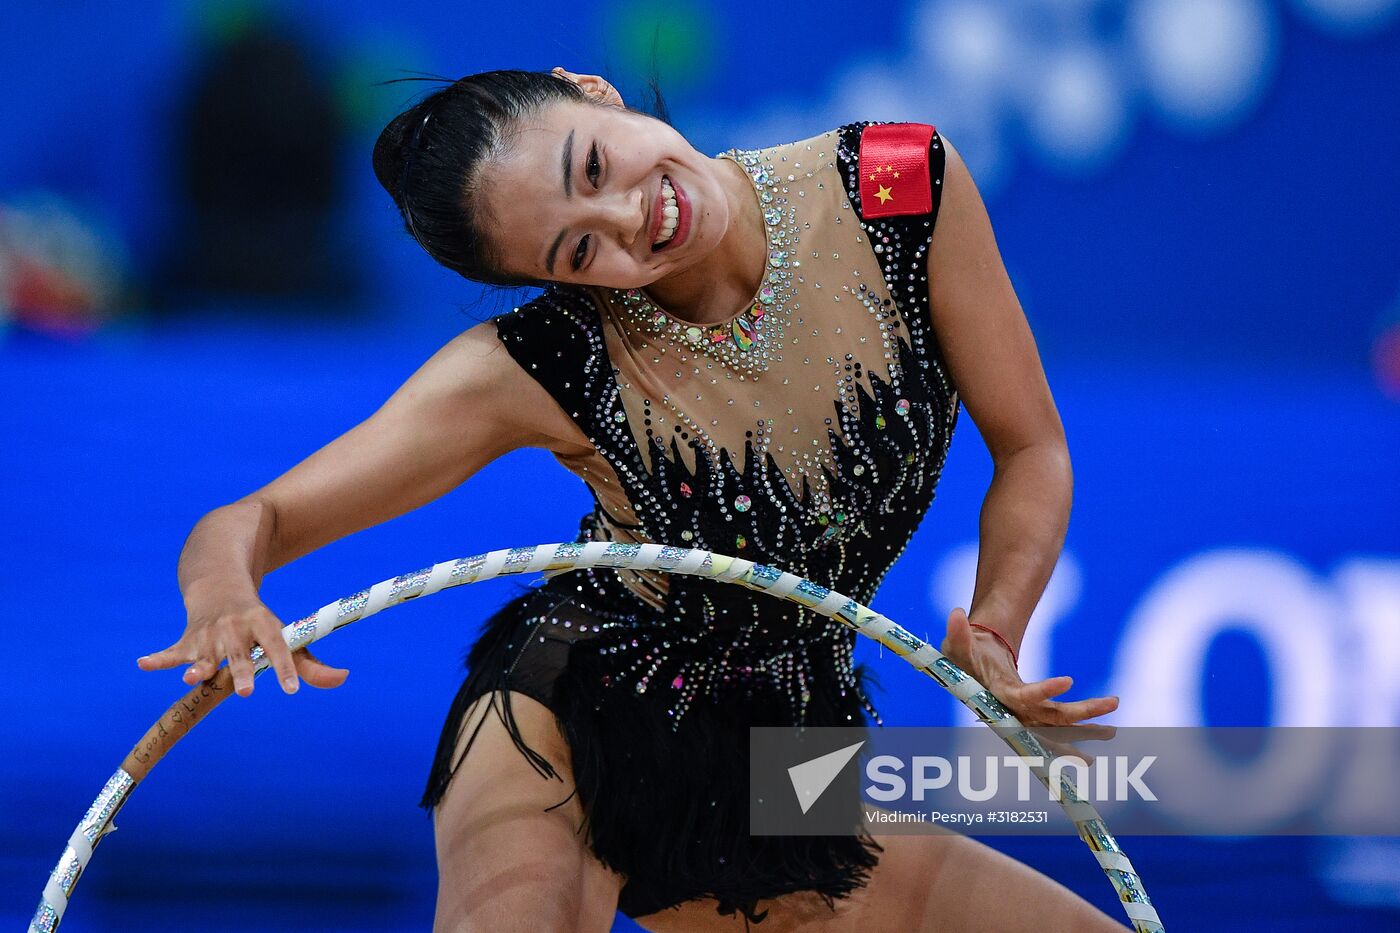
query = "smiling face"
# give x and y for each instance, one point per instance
(593, 194)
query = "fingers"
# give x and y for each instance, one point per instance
(173, 656)
(959, 638)
(182, 652)
(317, 673)
(1086, 709)
(1032, 704)
(247, 630)
(200, 670)
(234, 631)
(1064, 741)
(1033, 708)
(269, 633)
(1042, 690)
(241, 666)
(1061, 749)
(1093, 731)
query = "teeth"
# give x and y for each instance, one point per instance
(670, 214)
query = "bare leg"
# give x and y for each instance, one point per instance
(932, 884)
(504, 863)
(961, 884)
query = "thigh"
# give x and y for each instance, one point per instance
(939, 883)
(506, 861)
(948, 883)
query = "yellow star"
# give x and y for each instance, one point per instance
(884, 194)
(896, 174)
(872, 177)
(889, 168)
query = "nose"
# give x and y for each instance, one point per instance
(626, 215)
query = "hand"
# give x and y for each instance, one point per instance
(228, 626)
(980, 654)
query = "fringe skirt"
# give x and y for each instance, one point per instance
(666, 807)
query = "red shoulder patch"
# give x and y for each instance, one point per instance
(894, 170)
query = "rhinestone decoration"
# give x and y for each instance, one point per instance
(747, 342)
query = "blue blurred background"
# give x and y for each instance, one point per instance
(201, 283)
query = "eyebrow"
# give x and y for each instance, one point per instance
(553, 248)
(566, 162)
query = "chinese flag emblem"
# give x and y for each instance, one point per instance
(894, 170)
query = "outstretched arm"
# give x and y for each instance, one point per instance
(467, 405)
(996, 368)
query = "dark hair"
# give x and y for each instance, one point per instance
(428, 159)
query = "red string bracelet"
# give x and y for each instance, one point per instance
(998, 636)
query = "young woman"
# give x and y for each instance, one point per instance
(761, 354)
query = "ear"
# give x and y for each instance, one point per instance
(594, 86)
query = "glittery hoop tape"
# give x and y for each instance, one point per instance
(551, 560)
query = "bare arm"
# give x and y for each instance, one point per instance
(467, 405)
(993, 361)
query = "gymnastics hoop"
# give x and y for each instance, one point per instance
(551, 560)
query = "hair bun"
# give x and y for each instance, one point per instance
(388, 150)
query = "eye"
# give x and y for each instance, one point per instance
(580, 252)
(594, 167)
